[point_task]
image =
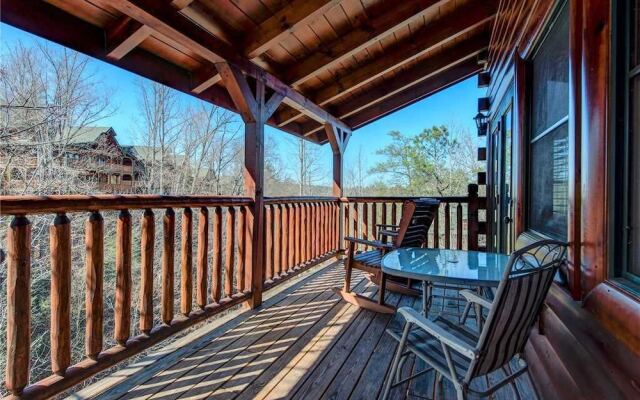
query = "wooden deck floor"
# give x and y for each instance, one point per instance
(308, 345)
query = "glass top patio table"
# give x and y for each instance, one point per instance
(451, 266)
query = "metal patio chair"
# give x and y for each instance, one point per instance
(417, 216)
(459, 354)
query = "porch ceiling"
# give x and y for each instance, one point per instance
(347, 62)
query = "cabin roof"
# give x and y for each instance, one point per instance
(350, 61)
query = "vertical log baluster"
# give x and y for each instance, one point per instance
(229, 252)
(277, 239)
(325, 215)
(394, 213)
(384, 214)
(216, 263)
(268, 237)
(459, 226)
(186, 264)
(447, 226)
(93, 300)
(168, 254)
(318, 230)
(241, 242)
(298, 233)
(355, 222)
(122, 328)
(60, 253)
(309, 229)
(374, 221)
(284, 259)
(248, 248)
(436, 228)
(202, 265)
(346, 224)
(18, 304)
(147, 244)
(292, 234)
(304, 238)
(365, 223)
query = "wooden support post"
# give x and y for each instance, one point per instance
(255, 110)
(60, 246)
(94, 263)
(18, 304)
(338, 139)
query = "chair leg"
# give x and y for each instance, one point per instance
(383, 286)
(396, 361)
(348, 268)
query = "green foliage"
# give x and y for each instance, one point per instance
(434, 162)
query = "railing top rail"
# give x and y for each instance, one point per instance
(385, 199)
(16, 205)
(300, 199)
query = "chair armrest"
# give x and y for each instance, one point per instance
(472, 297)
(388, 226)
(371, 243)
(438, 332)
(384, 232)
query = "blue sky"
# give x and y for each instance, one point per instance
(455, 105)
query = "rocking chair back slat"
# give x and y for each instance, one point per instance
(518, 301)
(417, 216)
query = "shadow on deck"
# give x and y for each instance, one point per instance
(306, 344)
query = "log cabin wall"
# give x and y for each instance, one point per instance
(587, 342)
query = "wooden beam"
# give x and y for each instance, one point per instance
(419, 72)
(125, 35)
(382, 23)
(54, 24)
(163, 19)
(445, 29)
(239, 91)
(283, 22)
(415, 93)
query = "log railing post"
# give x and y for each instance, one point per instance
(459, 226)
(472, 217)
(202, 264)
(147, 244)
(122, 329)
(94, 263)
(60, 252)
(18, 304)
(277, 239)
(168, 253)
(268, 237)
(241, 243)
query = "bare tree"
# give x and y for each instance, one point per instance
(356, 176)
(308, 168)
(161, 127)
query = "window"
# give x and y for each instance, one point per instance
(628, 73)
(548, 141)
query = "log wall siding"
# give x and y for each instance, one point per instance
(299, 232)
(593, 322)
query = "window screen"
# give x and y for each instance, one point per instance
(548, 146)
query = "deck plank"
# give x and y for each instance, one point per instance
(306, 345)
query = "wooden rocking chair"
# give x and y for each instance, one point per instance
(416, 219)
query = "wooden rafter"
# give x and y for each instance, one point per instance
(164, 20)
(284, 22)
(414, 93)
(125, 35)
(419, 72)
(72, 32)
(435, 34)
(383, 23)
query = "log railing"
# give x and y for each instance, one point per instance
(456, 227)
(155, 237)
(299, 232)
